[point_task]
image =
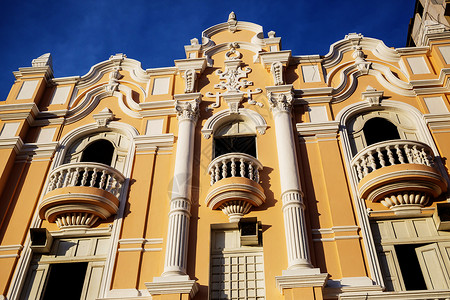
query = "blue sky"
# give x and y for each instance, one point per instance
(80, 34)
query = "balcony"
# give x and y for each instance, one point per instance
(401, 174)
(235, 187)
(79, 194)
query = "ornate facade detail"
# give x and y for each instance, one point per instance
(187, 110)
(189, 80)
(103, 117)
(360, 60)
(277, 73)
(232, 22)
(233, 84)
(281, 102)
(405, 200)
(372, 96)
(235, 210)
(42, 61)
(114, 76)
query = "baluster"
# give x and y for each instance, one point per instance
(85, 176)
(102, 180)
(416, 156)
(217, 169)
(211, 172)
(242, 167)
(371, 160)
(425, 157)
(390, 155)
(256, 174)
(250, 171)
(113, 186)
(76, 176)
(233, 167)
(381, 157)
(399, 154)
(51, 185)
(224, 168)
(359, 169)
(60, 175)
(68, 175)
(364, 166)
(408, 154)
(117, 190)
(93, 178)
(109, 183)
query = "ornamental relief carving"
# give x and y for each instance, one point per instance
(232, 81)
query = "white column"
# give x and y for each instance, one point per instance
(291, 194)
(180, 203)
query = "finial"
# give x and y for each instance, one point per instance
(232, 16)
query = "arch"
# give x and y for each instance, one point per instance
(219, 119)
(235, 136)
(378, 130)
(100, 151)
(73, 138)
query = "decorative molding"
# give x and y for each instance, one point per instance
(11, 247)
(103, 117)
(140, 243)
(162, 71)
(31, 151)
(400, 295)
(153, 142)
(268, 58)
(15, 143)
(188, 110)
(295, 281)
(372, 96)
(281, 102)
(172, 285)
(223, 116)
(438, 121)
(320, 128)
(277, 73)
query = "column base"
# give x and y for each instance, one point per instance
(179, 284)
(301, 278)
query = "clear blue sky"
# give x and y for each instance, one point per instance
(80, 34)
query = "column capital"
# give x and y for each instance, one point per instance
(280, 102)
(187, 110)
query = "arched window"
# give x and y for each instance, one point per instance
(377, 126)
(109, 148)
(100, 151)
(235, 136)
(379, 130)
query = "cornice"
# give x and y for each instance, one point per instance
(198, 64)
(377, 47)
(172, 285)
(15, 143)
(267, 58)
(304, 59)
(307, 129)
(34, 72)
(412, 50)
(438, 121)
(162, 71)
(304, 280)
(152, 142)
(37, 150)
(23, 111)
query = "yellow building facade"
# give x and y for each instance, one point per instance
(242, 172)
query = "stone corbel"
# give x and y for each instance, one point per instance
(103, 117)
(190, 70)
(372, 96)
(276, 62)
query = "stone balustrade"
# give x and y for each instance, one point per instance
(391, 153)
(88, 174)
(234, 165)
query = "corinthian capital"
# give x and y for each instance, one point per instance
(280, 102)
(187, 110)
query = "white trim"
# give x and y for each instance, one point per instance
(223, 116)
(11, 247)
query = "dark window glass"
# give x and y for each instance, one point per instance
(241, 144)
(100, 151)
(379, 130)
(65, 281)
